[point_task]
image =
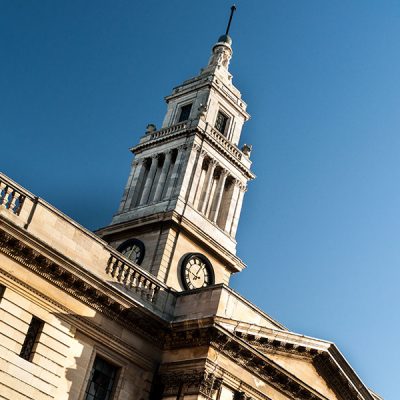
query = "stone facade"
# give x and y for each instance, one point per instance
(72, 300)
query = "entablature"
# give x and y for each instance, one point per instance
(224, 146)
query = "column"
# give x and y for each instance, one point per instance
(185, 170)
(238, 210)
(218, 196)
(128, 186)
(135, 183)
(149, 180)
(163, 175)
(196, 176)
(207, 185)
(232, 206)
(175, 172)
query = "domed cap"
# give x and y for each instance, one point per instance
(225, 39)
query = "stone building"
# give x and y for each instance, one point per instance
(142, 309)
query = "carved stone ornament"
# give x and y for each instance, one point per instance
(150, 128)
(221, 56)
(190, 383)
(246, 149)
(241, 396)
(202, 110)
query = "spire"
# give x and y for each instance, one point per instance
(226, 38)
(222, 50)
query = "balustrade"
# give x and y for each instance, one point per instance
(10, 197)
(225, 143)
(167, 131)
(132, 279)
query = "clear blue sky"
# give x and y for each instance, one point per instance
(320, 229)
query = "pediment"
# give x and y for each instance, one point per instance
(317, 363)
(302, 367)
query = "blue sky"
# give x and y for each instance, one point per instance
(320, 229)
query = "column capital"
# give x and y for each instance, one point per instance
(182, 147)
(224, 173)
(200, 150)
(196, 146)
(243, 187)
(213, 162)
(236, 181)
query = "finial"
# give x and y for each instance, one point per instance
(233, 9)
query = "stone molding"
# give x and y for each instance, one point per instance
(335, 378)
(263, 343)
(222, 377)
(80, 289)
(244, 356)
(220, 143)
(191, 382)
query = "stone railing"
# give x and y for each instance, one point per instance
(225, 143)
(132, 278)
(167, 131)
(10, 197)
(92, 254)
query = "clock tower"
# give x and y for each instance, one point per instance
(180, 210)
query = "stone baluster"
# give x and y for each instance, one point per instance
(207, 185)
(218, 195)
(134, 188)
(238, 210)
(163, 176)
(175, 171)
(149, 180)
(194, 188)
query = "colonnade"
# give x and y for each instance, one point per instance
(212, 190)
(216, 193)
(153, 179)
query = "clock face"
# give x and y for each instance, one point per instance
(196, 271)
(133, 249)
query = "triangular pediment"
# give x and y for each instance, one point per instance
(317, 363)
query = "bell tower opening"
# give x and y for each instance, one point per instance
(184, 193)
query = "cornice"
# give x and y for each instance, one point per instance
(337, 380)
(244, 355)
(326, 358)
(212, 245)
(177, 221)
(187, 132)
(103, 298)
(164, 138)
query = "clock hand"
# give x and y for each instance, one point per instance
(195, 276)
(197, 273)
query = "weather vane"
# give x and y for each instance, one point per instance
(233, 9)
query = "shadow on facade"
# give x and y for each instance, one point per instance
(99, 358)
